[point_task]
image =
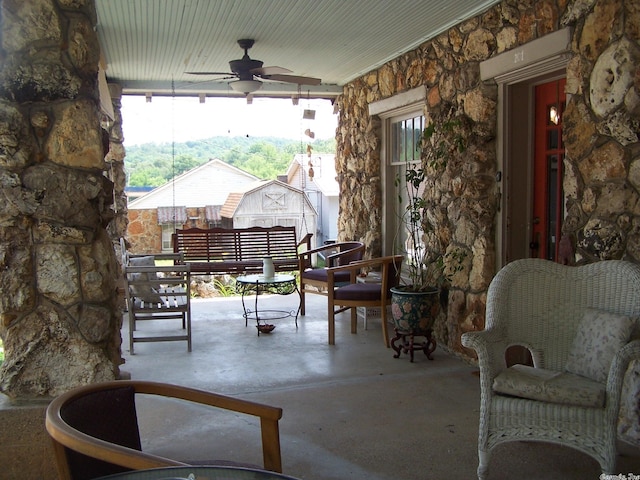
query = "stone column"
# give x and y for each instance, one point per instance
(58, 312)
(115, 166)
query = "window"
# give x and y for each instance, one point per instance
(403, 121)
(405, 139)
(406, 134)
(167, 232)
(402, 148)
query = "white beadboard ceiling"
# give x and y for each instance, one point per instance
(148, 45)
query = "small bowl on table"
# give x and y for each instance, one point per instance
(266, 328)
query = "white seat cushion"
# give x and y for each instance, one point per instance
(550, 386)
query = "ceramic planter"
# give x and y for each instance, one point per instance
(414, 312)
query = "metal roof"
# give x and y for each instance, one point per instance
(148, 45)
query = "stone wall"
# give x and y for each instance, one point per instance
(58, 316)
(116, 171)
(602, 124)
(144, 235)
(601, 133)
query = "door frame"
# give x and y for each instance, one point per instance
(516, 72)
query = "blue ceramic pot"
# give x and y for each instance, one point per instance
(414, 312)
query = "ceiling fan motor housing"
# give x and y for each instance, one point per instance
(243, 67)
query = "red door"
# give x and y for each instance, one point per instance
(548, 200)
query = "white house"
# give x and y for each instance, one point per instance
(315, 175)
(193, 199)
(218, 194)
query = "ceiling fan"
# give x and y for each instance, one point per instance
(247, 69)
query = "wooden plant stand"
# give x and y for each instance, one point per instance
(409, 345)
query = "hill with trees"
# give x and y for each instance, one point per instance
(153, 164)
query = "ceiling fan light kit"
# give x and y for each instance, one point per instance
(245, 86)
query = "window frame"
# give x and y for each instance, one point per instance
(389, 168)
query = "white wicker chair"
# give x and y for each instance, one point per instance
(539, 304)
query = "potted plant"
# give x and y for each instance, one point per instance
(416, 302)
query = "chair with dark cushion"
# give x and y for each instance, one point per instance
(95, 431)
(314, 280)
(356, 294)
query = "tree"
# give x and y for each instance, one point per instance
(153, 164)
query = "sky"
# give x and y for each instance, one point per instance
(180, 119)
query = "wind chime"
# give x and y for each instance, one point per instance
(307, 114)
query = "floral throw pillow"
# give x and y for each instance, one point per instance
(600, 335)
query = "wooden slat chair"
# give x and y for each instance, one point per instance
(155, 292)
(355, 294)
(314, 280)
(94, 428)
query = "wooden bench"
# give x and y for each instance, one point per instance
(238, 251)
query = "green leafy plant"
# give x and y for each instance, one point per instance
(224, 290)
(427, 269)
(440, 142)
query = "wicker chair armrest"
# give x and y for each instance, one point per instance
(619, 366)
(490, 346)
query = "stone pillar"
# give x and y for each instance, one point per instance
(115, 166)
(58, 313)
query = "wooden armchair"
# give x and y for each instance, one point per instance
(577, 324)
(94, 428)
(155, 292)
(314, 280)
(355, 294)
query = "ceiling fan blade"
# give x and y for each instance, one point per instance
(209, 73)
(294, 79)
(270, 71)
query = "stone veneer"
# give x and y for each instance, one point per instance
(59, 318)
(144, 234)
(601, 128)
(116, 172)
(601, 134)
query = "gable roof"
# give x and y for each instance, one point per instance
(235, 199)
(208, 184)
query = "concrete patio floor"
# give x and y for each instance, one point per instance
(351, 411)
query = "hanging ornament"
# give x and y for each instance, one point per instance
(311, 172)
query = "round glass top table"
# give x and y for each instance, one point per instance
(280, 284)
(216, 472)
